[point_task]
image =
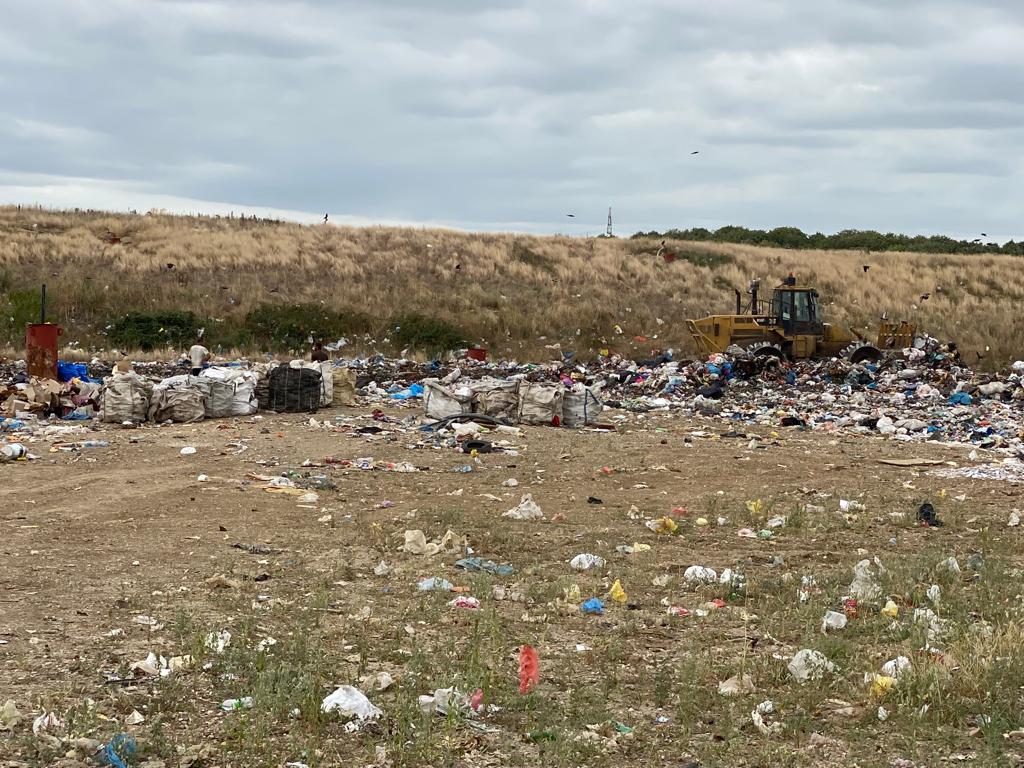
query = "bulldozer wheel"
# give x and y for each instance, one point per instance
(862, 353)
(764, 349)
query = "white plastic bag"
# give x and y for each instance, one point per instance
(350, 702)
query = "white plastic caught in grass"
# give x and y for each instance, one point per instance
(348, 701)
(895, 667)
(218, 641)
(758, 716)
(700, 574)
(586, 561)
(809, 664)
(833, 620)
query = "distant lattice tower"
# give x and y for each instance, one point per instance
(608, 231)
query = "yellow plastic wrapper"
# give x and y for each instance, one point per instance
(890, 609)
(617, 593)
(665, 525)
(881, 685)
(755, 507)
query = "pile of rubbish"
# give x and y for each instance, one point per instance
(925, 392)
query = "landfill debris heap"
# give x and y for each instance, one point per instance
(925, 392)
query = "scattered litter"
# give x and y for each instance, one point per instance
(911, 462)
(231, 705)
(477, 564)
(593, 606)
(188, 450)
(529, 669)
(10, 717)
(762, 724)
(833, 621)
(663, 525)
(348, 701)
(416, 543)
(220, 581)
(218, 641)
(617, 593)
(465, 601)
(434, 584)
(527, 509)
(586, 561)
(379, 681)
(737, 685)
(926, 516)
(633, 549)
(699, 574)
(895, 667)
(809, 664)
(47, 722)
(864, 585)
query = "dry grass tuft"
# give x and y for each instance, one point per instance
(512, 293)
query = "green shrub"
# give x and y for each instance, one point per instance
(18, 309)
(289, 326)
(427, 334)
(152, 330)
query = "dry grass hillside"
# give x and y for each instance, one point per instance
(512, 293)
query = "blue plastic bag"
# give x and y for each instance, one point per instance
(416, 390)
(69, 371)
(593, 606)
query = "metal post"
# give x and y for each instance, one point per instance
(42, 306)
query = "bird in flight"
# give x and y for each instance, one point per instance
(695, 152)
(571, 215)
(984, 234)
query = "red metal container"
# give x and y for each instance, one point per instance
(41, 349)
(477, 353)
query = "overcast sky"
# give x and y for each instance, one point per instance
(509, 114)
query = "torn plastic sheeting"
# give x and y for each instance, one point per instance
(416, 543)
(763, 725)
(477, 564)
(434, 584)
(865, 584)
(699, 574)
(586, 561)
(809, 665)
(527, 509)
(348, 701)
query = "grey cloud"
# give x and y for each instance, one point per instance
(822, 114)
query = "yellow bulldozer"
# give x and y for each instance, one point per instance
(790, 326)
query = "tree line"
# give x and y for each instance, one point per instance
(847, 240)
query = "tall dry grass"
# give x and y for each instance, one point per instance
(513, 293)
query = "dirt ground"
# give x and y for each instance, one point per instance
(92, 542)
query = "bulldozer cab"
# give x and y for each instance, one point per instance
(796, 310)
